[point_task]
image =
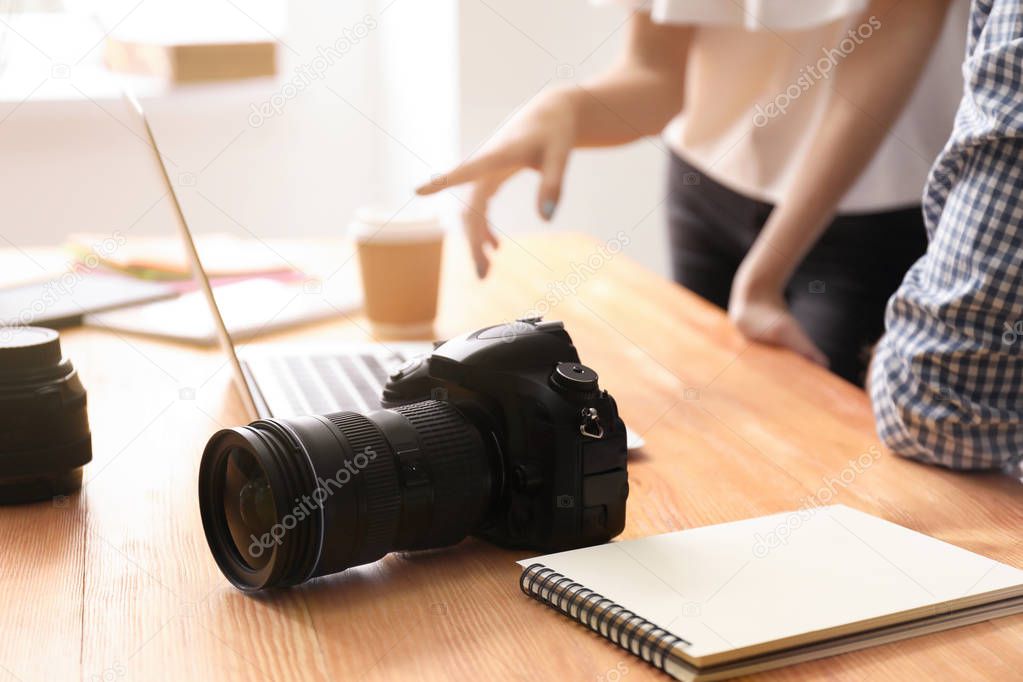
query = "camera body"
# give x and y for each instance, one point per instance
(554, 437)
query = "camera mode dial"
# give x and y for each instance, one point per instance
(574, 376)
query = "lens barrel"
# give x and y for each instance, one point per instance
(316, 495)
(44, 425)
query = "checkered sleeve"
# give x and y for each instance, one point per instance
(947, 377)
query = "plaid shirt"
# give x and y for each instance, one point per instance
(947, 377)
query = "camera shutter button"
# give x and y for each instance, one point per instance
(404, 368)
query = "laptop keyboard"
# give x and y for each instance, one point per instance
(360, 378)
(318, 384)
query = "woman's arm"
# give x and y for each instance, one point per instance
(641, 93)
(637, 97)
(871, 87)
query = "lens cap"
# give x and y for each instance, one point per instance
(44, 426)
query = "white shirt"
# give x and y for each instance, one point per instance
(758, 79)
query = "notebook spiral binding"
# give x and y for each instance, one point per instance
(623, 627)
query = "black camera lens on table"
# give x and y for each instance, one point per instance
(501, 433)
(44, 427)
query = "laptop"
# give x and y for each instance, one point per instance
(286, 380)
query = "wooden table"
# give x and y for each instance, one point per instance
(118, 583)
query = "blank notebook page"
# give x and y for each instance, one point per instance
(739, 589)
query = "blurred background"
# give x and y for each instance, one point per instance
(280, 118)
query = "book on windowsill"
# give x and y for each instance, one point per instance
(190, 52)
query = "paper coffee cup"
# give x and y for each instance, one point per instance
(400, 259)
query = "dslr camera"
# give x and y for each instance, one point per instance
(501, 434)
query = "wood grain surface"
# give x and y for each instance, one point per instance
(117, 583)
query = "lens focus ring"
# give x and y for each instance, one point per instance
(379, 480)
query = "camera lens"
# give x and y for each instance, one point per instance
(286, 500)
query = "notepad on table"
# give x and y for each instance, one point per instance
(736, 598)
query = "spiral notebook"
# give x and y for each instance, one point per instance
(737, 598)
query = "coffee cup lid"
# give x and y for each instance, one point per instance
(387, 225)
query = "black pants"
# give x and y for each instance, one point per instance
(839, 291)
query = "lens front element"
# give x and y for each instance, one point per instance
(248, 508)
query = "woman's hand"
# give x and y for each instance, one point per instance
(540, 137)
(636, 97)
(759, 311)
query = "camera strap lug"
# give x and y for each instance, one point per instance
(591, 426)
